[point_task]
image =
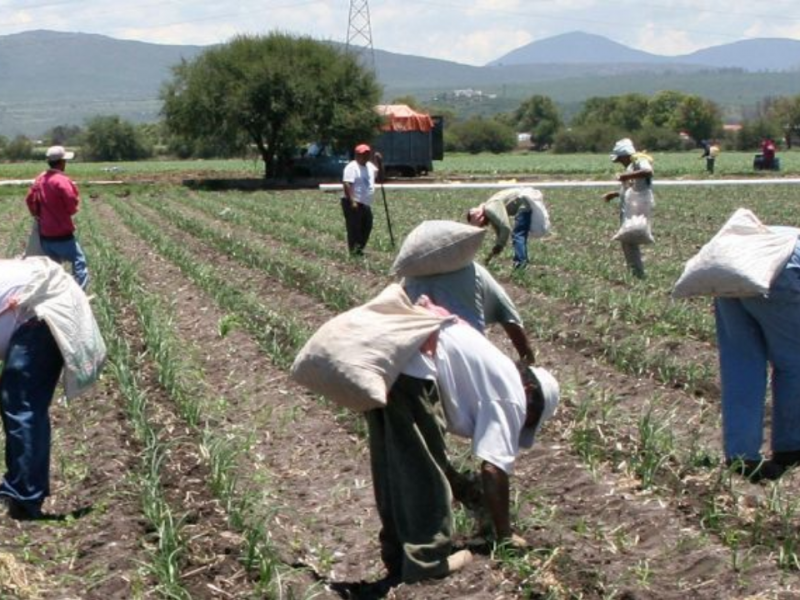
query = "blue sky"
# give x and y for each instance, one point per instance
(469, 31)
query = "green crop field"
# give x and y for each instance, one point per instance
(211, 475)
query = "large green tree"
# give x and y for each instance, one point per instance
(786, 113)
(539, 116)
(112, 138)
(699, 117)
(272, 92)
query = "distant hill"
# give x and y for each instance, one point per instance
(576, 47)
(765, 54)
(51, 78)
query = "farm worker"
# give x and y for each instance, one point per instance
(483, 397)
(710, 152)
(52, 200)
(475, 296)
(46, 326)
(752, 333)
(497, 212)
(636, 194)
(768, 154)
(358, 179)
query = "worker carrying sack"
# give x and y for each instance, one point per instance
(435, 247)
(741, 260)
(355, 358)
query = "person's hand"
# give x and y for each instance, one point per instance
(609, 196)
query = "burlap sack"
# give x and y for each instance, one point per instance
(355, 358)
(435, 247)
(741, 260)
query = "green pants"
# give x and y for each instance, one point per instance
(408, 459)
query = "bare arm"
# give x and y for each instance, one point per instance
(496, 498)
(519, 339)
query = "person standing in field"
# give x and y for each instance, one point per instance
(752, 334)
(483, 397)
(358, 179)
(52, 200)
(636, 195)
(710, 153)
(497, 212)
(46, 326)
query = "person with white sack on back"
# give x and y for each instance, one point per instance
(525, 204)
(46, 328)
(636, 202)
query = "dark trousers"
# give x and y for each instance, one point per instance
(408, 460)
(30, 374)
(358, 222)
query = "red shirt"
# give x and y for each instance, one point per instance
(53, 198)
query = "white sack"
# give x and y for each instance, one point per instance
(540, 219)
(634, 230)
(355, 358)
(435, 247)
(741, 260)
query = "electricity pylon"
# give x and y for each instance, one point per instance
(359, 33)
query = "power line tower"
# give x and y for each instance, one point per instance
(359, 33)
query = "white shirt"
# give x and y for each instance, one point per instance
(362, 180)
(14, 276)
(481, 392)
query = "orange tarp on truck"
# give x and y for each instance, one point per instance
(401, 117)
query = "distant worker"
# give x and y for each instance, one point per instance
(710, 152)
(497, 212)
(52, 200)
(636, 195)
(768, 151)
(752, 333)
(359, 180)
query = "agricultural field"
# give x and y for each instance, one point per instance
(197, 469)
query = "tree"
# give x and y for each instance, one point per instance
(786, 111)
(64, 135)
(20, 148)
(662, 107)
(539, 116)
(626, 112)
(481, 135)
(700, 118)
(273, 92)
(112, 139)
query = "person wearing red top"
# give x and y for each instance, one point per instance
(52, 200)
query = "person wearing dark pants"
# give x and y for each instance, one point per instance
(358, 182)
(46, 328)
(408, 460)
(30, 374)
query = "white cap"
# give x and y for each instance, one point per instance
(551, 394)
(55, 153)
(623, 147)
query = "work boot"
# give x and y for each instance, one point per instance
(786, 459)
(23, 512)
(755, 470)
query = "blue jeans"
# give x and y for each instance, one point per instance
(30, 374)
(519, 238)
(752, 333)
(68, 251)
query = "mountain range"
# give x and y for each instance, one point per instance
(56, 78)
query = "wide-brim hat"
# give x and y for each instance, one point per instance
(550, 393)
(623, 147)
